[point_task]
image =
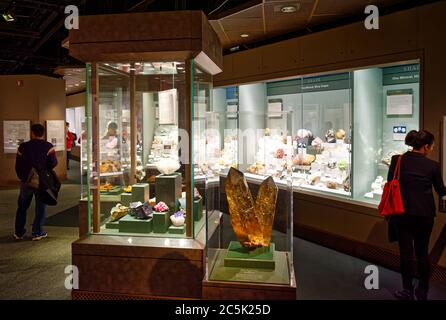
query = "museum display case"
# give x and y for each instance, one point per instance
(347, 125)
(249, 206)
(132, 200)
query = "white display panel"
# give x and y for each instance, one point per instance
(399, 104)
(14, 134)
(168, 107)
(55, 134)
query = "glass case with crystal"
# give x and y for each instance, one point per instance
(143, 177)
(249, 198)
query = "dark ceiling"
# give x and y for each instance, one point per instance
(32, 43)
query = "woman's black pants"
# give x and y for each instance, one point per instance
(413, 235)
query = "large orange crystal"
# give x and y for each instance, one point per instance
(252, 221)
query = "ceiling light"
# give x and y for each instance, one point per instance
(77, 84)
(234, 48)
(8, 16)
(132, 69)
(83, 81)
(180, 68)
(244, 35)
(288, 9)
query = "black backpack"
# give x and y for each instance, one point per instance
(49, 187)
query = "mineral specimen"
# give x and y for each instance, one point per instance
(330, 136)
(177, 219)
(168, 166)
(252, 221)
(340, 134)
(161, 207)
(118, 212)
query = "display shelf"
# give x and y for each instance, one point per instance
(111, 174)
(323, 189)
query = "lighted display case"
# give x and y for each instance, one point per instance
(249, 206)
(144, 214)
(138, 178)
(346, 125)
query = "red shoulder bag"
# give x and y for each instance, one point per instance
(391, 201)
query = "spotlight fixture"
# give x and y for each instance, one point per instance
(9, 16)
(244, 35)
(288, 9)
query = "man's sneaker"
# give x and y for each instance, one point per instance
(18, 237)
(39, 236)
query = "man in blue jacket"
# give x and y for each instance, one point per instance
(41, 155)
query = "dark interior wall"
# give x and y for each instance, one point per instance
(39, 99)
(413, 34)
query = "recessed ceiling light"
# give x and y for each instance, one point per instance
(244, 35)
(83, 81)
(180, 68)
(77, 84)
(288, 9)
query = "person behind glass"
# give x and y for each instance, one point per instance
(111, 136)
(70, 138)
(41, 155)
(418, 175)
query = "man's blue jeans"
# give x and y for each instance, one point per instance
(25, 197)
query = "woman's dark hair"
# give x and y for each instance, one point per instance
(113, 125)
(38, 130)
(418, 139)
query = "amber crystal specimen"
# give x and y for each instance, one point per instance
(252, 221)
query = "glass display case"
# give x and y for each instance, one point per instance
(141, 181)
(249, 201)
(347, 125)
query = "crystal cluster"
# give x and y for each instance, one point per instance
(251, 220)
(161, 207)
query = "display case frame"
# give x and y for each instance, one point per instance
(101, 258)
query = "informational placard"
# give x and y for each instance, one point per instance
(399, 103)
(14, 134)
(168, 107)
(399, 133)
(55, 134)
(232, 111)
(274, 109)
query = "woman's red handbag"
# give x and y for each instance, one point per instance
(391, 201)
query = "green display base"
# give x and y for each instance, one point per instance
(198, 209)
(176, 230)
(129, 224)
(161, 222)
(140, 192)
(126, 199)
(112, 225)
(168, 190)
(242, 257)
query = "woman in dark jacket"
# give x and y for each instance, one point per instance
(417, 177)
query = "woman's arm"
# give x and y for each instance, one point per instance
(438, 181)
(392, 168)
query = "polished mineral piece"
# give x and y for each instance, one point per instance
(252, 221)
